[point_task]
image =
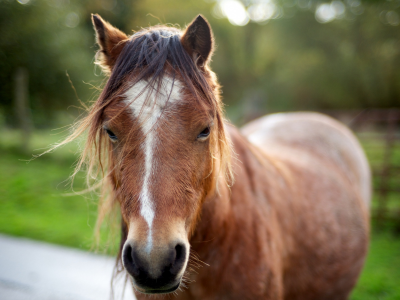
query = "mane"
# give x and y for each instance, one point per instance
(149, 54)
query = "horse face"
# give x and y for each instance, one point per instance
(162, 171)
(162, 143)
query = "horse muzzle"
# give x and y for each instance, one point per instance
(158, 271)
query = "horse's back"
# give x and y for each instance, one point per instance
(320, 194)
(313, 138)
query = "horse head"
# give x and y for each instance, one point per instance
(159, 134)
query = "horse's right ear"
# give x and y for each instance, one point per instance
(111, 41)
(198, 41)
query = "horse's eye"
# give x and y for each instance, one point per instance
(111, 134)
(204, 134)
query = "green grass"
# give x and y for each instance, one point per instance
(33, 204)
(34, 199)
(380, 279)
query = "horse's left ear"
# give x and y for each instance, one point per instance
(111, 41)
(198, 41)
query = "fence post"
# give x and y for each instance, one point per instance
(384, 186)
(21, 102)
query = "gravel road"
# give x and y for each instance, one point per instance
(31, 270)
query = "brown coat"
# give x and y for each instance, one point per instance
(295, 223)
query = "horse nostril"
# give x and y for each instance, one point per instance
(128, 260)
(128, 254)
(180, 258)
(179, 250)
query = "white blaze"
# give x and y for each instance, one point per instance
(148, 108)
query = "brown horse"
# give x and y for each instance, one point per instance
(293, 224)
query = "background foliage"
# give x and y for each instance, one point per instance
(290, 61)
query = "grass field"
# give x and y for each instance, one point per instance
(37, 200)
(380, 279)
(33, 204)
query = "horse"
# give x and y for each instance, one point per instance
(278, 209)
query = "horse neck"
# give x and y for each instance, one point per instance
(231, 212)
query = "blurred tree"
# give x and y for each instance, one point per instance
(303, 54)
(44, 37)
(291, 54)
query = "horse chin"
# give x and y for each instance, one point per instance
(170, 288)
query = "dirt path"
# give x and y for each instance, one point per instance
(35, 270)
